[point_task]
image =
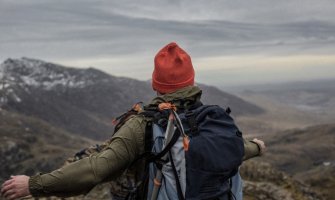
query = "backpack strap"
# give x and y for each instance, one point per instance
(175, 173)
(230, 193)
(148, 137)
(167, 148)
(192, 122)
(148, 142)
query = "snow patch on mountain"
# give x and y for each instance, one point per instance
(36, 73)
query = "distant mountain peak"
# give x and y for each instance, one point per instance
(27, 65)
(37, 73)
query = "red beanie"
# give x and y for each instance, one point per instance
(173, 69)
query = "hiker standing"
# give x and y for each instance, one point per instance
(173, 79)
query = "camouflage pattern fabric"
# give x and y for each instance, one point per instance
(87, 152)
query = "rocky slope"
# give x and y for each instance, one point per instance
(81, 101)
(264, 182)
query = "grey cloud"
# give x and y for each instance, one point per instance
(256, 11)
(83, 28)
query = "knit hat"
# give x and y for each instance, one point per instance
(173, 69)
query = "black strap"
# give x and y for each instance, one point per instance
(230, 193)
(148, 143)
(152, 157)
(167, 148)
(192, 122)
(142, 192)
(196, 105)
(178, 186)
(148, 113)
(148, 137)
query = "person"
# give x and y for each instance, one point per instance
(173, 80)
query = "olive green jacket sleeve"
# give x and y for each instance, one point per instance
(251, 149)
(81, 176)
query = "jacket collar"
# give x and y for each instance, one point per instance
(184, 97)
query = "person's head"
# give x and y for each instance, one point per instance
(173, 69)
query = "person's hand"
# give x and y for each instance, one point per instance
(16, 187)
(261, 145)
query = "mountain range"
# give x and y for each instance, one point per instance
(84, 101)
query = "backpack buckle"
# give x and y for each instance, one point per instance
(228, 110)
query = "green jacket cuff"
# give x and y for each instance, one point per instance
(251, 149)
(259, 148)
(35, 188)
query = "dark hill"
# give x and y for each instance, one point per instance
(29, 144)
(305, 148)
(307, 154)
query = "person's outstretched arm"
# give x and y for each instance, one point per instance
(253, 148)
(81, 176)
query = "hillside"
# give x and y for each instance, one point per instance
(304, 148)
(30, 145)
(307, 154)
(262, 181)
(83, 101)
(239, 106)
(299, 131)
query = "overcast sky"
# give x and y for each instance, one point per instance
(231, 42)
